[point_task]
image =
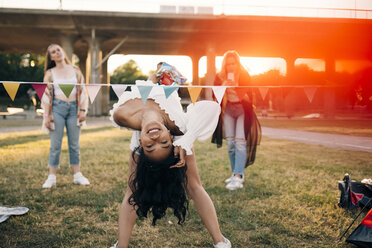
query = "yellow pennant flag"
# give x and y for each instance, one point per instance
(11, 88)
(194, 93)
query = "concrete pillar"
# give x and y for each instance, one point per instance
(288, 96)
(105, 90)
(195, 69)
(83, 64)
(67, 43)
(211, 70)
(211, 65)
(290, 64)
(95, 56)
(329, 99)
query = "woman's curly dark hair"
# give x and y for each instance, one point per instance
(155, 187)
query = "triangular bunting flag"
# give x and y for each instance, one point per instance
(168, 90)
(93, 91)
(145, 92)
(194, 93)
(219, 92)
(40, 89)
(118, 89)
(263, 92)
(11, 89)
(310, 92)
(67, 88)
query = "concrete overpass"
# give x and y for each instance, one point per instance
(91, 35)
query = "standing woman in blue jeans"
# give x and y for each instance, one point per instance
(62, 111)
(241, 127)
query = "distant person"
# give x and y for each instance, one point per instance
(61, 111)
(241, 126)
(32, 95)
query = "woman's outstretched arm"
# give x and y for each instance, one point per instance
(129, 114)
(127, 214)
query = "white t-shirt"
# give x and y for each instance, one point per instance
(198, 123)
(57, 81)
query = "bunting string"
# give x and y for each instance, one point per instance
(201, 86)
(11, 87)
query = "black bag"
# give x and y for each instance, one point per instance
(354, 194)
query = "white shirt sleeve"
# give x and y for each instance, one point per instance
(202, 119)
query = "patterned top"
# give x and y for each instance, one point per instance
(47, 99)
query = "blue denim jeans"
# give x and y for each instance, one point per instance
(64, 114)
(233, 121)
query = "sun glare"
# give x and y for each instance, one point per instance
(254, 65)
(147, 63)
(352, 66)
(313, 64)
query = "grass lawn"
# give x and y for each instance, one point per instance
(289, 199)
(358, 127)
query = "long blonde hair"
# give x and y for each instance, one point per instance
(50, 63)
(230, 54)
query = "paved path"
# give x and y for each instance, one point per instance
(91, 122)
(347, 142)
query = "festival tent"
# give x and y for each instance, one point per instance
(362, 235)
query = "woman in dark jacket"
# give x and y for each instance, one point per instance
(242, 129)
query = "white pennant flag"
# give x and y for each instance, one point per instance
(310, 92)
(118, 89)
(263, 92)
(92, 91)
(219, 92)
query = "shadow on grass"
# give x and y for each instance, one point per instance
(45, 238)
(70, 229)
(38, 137)
(65, 195)
(251, 192)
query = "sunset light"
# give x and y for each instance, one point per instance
(188, 123)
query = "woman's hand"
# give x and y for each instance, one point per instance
(153, 78)
(181, 154)
(82, 116)
(47, 124)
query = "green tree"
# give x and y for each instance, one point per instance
(127, 73)
(20, 67)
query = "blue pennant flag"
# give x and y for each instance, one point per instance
(168, 90)
(145, 92)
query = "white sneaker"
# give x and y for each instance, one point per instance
(229, 179)
(80, 179)
(225, 244)
(50, 182)
(236, 183)
(115, 245)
